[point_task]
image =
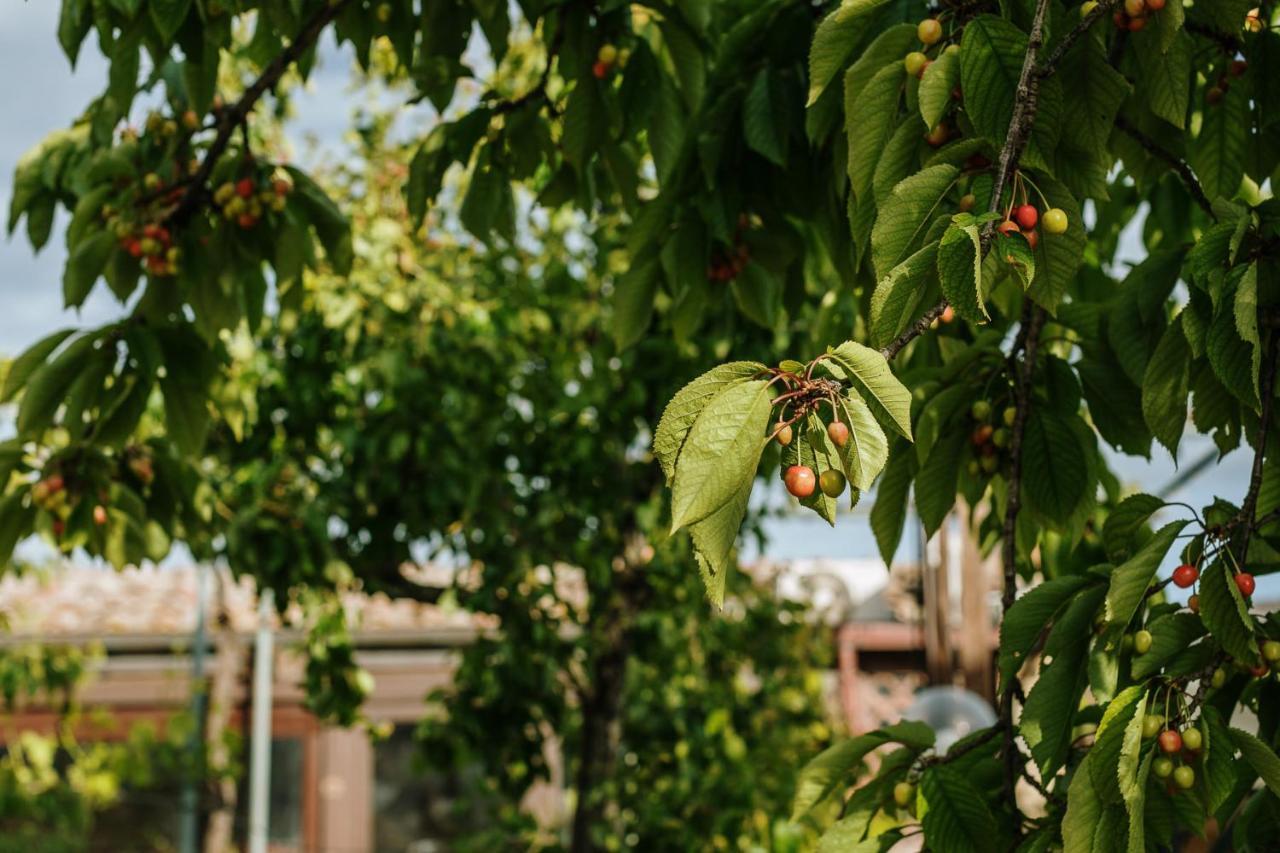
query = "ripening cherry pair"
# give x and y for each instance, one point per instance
(1024, 218)
(800, 479)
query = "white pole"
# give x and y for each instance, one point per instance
(260, 736)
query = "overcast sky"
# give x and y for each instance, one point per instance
(47, 94)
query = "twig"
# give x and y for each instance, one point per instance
(232, 117)
(966, 748)
(1228, 42)
(1267, 389)
(1179, 165)
(1068, 41)
(913, 331)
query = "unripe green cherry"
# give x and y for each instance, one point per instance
(1271, 650)
(981, 410)
(1151, 725)
(832, 483)
(1184, 777)
(1055, 221)
(1162, 767)
(903, 794)
(1010, 415)
(785, 435)
(1192, 739)
(1142, 642)
(914, 62)
(1219, 677)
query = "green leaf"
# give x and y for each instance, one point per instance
(905, 217)
(1123, 523)
(168, 15)
(186, 402)
(764, 115)
(960, 269)
(1221, 769)
(1130, 580)
(1084, 810)
(633, 302)
(713, 540)
(1056, 466)
(1030, 615)
(867, 450)
(957, 819)
(1163, 84)
(935, 489)
(991, 57)
(758, 295)
(1217, 152)
(331, 226)
(16, 518)
(73, 26)
(1016, 252)
(940, 79)
(86, 264)
(1165, 387)
(1261, 758)
(835, 765)
(834, 41)
(48, 385)
(869, 371)
(1113, 744)
(721, 452)
(34, 356)
(1170, 635)
(870, 117)
(1231, 357)
(899, 158)
(889, 513)
(1224, 612)
(896, 296)
(1052, 702)
(688, 403)
(1246, 316)
(1096, 90)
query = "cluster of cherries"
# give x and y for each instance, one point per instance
(1182, 744)
(1024, 218)
(1133, 16)
(51, 495)
(1215, 93)
(800, 479)
(929, 31)
(152, 244)
(245, 200)
(608, 58)
(728, 264)
(988, 439)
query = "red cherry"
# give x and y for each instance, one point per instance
(1008, 228)
(982, 435)
(246, 220)
(1032, 237)
(838, 432)
(1027, 215)
(1155, 5)
(134, 247)
(800, 481)
(244, 187)
(99, 515)
(1193, 603)
(600, 70)
(1136, 24)
(1185, 575)
(1170, 741)
(1121, 20)
(59, 527)
(1239, 67)
(1259, 670)
(1246, 584)
(54, 482)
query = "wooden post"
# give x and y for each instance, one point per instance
(975, 609)
(937, 606)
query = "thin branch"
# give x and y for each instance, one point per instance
(1228, 43)
(965, 748)
(1267, 390)
(1177, 163)
(1068, 41)
(235, 115)
(913, 331)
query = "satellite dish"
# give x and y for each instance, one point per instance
(952, 712)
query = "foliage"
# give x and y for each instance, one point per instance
(758, 178)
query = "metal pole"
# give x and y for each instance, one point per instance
(260, 737)
(189, 828)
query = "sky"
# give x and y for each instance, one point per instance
(51, 94)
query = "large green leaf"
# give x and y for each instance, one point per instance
(835, 765)
(1170, 636)
(869, 371)
(1055, 466)
(939, 81)
(1164, 84)
(47, 386)
(764, 117)
(713, 540)
(1130, 580)
(721, 452)
(1111, 740)
(633, 302)
(687, 404)
(893, 304)
(1218, 151)
(991, 57)
(1047, 717)
(936, 482)
(1058, 256)
(960, 269)
(870, 117)
(87, 262)
(1165, 387)
(21, 368)
(1231, 357)
(833, 42)
(1030, 616)
(867, 449)
(957, 818)
(889, 513)
(1125, 521)
(1224, 612)
(1261, 758)
(904, 219)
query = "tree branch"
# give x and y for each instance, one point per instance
(913, 331)
(235, 115)
(1228, 43)
(1073, 35)
(1028, 341)
(1179, 165)
(1267, 390)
